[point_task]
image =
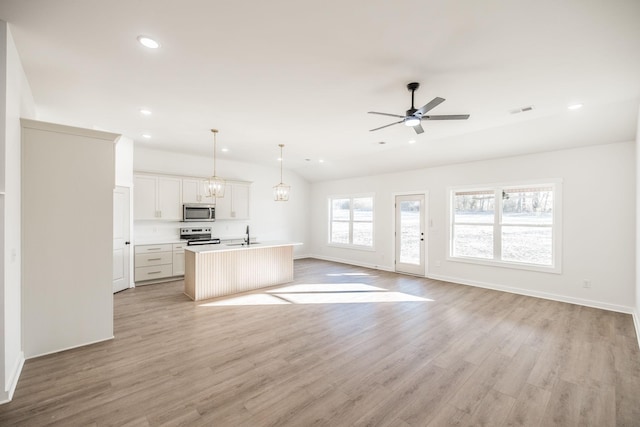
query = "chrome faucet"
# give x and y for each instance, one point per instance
(247, 239)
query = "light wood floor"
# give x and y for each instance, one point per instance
(456, 355)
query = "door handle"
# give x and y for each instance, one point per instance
(127, 243)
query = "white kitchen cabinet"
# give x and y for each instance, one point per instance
(235, 203)
(157, 197)
(178, 259)
(157, 262)
(193, 191)
(144, 198)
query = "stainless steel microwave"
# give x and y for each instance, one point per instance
(198, 212)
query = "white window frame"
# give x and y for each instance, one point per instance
(330, 221)
(556, 227)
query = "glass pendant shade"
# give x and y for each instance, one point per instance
(214, 186)
(281, 191)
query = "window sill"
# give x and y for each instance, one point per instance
(356, 247)
(506, 264)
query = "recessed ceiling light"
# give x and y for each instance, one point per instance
(279, 159)
(145, 112)
(574, 106)
(225, 149)
(146, 135)
(412, 141)
(148, 42)
(321, 161)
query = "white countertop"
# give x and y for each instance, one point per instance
(222, 247)
(171, 240)
(161, 241)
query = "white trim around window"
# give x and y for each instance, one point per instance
(351, 221)
(488, 227)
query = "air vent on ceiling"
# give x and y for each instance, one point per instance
(522, 109)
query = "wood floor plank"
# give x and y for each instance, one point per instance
(463, 356)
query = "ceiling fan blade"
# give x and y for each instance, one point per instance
(386, 126)
(434, 103)
(386, 114)
(447, 117)
(418, 128)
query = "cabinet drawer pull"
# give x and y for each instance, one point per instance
(154, 272)
(154, 259)
(154, 249)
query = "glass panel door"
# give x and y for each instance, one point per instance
(410, 234)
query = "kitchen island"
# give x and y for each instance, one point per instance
(216, 270)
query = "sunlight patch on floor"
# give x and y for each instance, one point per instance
(318, 293)
(326, 287)
(250, 299)
(347, 274)
(350, 297)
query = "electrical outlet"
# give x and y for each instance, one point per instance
(586, 284)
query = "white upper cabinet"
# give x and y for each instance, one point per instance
(235, 203)
(157, 197)
(193, 191)
(160, 197)
(144, 197)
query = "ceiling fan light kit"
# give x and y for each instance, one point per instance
(413, 116)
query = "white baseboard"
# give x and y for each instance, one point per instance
(70, 348)
(537, 294)
(12, 380)
(350, 262)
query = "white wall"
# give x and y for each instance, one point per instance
(18, 103)
(636, 316)
(270, 220)
(598, 241)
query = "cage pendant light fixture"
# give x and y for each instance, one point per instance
(281, 191)
(214, 186)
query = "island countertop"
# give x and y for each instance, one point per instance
(223, 247)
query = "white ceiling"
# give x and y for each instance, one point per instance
(305, 73)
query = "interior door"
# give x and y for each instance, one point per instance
(121, 239)
(410, 244)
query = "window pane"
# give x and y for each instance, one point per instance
(527, 206)
(475, 241)
(410, 232)
(363, 209)
(340, 209)
(475, 207)
(340, 232)
(532, 245)
(363, 233)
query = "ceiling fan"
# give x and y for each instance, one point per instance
(414, 117)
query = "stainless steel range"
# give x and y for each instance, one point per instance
(198, 236)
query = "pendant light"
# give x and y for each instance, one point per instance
(281, 191)
(214, 186)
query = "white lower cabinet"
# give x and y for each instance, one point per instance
(178, 259)
(158, 262)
